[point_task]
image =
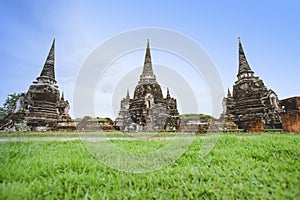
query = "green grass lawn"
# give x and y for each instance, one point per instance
(256, 166)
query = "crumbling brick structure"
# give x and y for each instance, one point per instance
(42, 107)
(252, 105)
(148, 109)
(290, 114)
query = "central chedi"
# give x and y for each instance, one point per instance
(148, 110)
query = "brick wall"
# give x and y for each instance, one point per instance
(290, 116)
(291, 121)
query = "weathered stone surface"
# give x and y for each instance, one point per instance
(252, 106)
(41, 106)
(148, 109)
(124, 120)
(290, 115)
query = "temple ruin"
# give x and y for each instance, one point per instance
(252, 106)
(148, 109)
(290, 114)
(43, 107)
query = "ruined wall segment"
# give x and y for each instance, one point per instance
(290, 114)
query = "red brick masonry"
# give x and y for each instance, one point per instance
(291, 114)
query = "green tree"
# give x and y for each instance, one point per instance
(2, 113)
(9, 104)
(194, 116)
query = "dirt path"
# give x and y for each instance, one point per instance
(83, 139)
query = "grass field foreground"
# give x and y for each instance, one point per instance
(262, 166)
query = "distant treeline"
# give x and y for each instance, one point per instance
(194, 116)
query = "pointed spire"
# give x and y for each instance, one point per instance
(147, 76)
(243, 63)
(62, 96)
(48, 69)
(127, 96)
(148, 53)
(168, 93)
(228, 93)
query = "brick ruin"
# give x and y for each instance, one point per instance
(252, 106)
(148, 109)
(42, 107)
(98, 123)
(290, 115)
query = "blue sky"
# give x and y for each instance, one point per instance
(269, 31)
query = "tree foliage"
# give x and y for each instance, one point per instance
(9, 104)
(2, 113)
(194, 116)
